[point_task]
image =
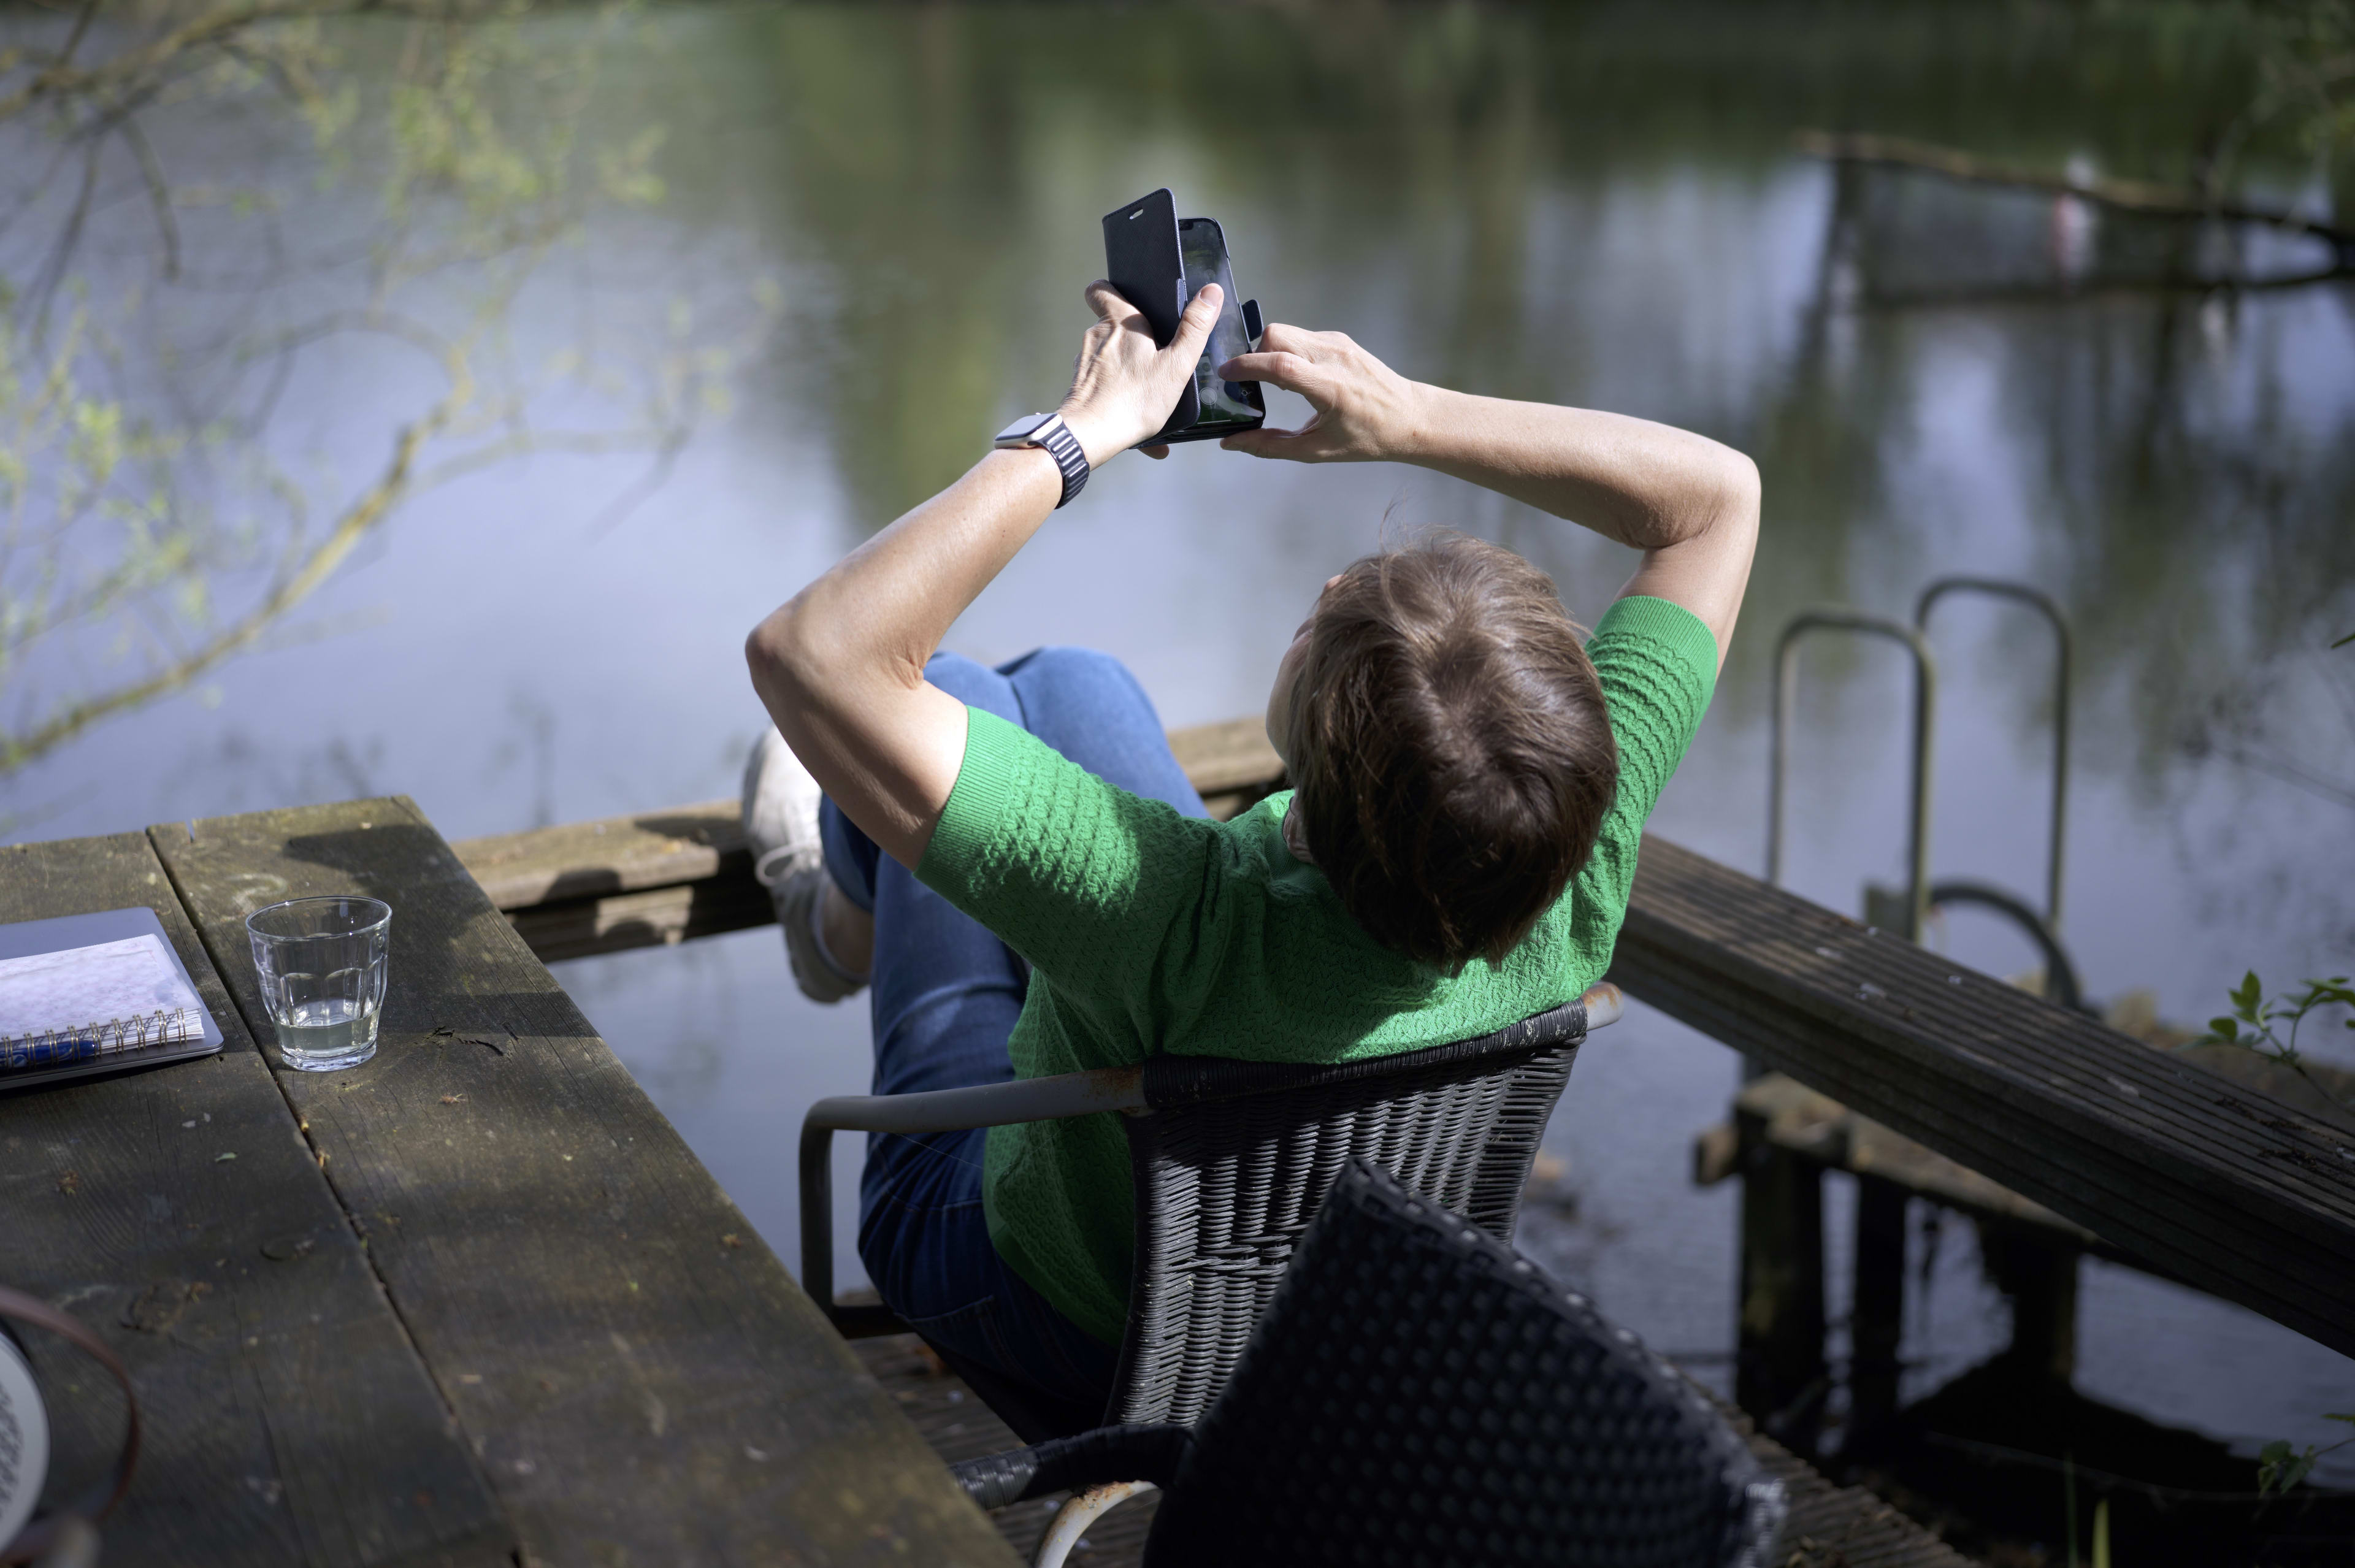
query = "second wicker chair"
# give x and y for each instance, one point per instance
(1420, 1395)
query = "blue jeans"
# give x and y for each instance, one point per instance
(945, 993)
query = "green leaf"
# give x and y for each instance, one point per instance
(2280, 1467)
(2343, 642)
(2247, 994)
(2225, 1029)
(2346, 1415)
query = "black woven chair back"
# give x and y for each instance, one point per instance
(1420, 1393)
(1235, 1158)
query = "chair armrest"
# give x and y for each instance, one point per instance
(983, 1104)
(1067, 1463)
(934, 1111)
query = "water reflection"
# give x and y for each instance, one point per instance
(1599, 206)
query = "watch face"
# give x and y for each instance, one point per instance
(1020, 430)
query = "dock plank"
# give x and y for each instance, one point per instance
(2211, 1183)
(178, 1212)
(656, 878)
(641, 1379)
(1817, 1128)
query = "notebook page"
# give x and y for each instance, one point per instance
(83, 986)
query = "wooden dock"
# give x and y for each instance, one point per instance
(2197, 1178)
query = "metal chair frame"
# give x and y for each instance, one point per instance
(1229, 1159)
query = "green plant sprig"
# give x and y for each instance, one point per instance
(2280, 1467)
(2250, 1007)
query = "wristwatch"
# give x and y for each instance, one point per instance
(1051, 435)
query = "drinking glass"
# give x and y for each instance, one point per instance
(323, 973)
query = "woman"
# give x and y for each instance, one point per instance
(1014, 862)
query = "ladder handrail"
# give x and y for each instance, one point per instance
(1786, 688)
(2037, 599)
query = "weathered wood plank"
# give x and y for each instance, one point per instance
(2235, 1194)
(178, 1213)
(641, 1379)
(1227, 757)
(1779, 1370)
(958, 1426)
(1876, 1310)
(657, 917)
(1818, 1127)
(652, 879)
(612, 855)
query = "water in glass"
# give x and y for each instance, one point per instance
(322, 962)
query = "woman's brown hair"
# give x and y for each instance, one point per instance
(1452, 758)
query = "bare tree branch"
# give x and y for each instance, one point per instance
(53, 267)
(2125, 196)
(462, 187)
(159, 194)
(366, 512)
(80, 30)
(60, 79)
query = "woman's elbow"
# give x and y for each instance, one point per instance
(775, 655)
(1739, 493)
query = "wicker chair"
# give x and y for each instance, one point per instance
(1420, 1394)
(1229, 1159)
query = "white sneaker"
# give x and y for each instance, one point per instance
(781, 828)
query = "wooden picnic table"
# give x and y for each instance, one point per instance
(471, 1303)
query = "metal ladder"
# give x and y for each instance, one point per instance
(1907, 912)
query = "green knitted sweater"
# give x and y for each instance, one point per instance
(1151, 931)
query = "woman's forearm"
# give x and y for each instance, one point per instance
(879, 614)
(1649, 485)
(1689, 503)
(840, 666)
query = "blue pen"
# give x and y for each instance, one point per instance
(56, 1048)
(49, 1052)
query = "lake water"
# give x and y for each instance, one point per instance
(871, 234)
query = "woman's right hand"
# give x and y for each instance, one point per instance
(1365, 411)
(1123, 387)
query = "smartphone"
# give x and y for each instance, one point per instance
(1158, 263)
(1225, 406)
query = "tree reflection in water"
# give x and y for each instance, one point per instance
(205, 200)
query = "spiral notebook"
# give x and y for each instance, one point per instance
(95, 993)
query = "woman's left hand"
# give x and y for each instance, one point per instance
(1123, 387)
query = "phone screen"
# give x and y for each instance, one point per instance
(1203, 251)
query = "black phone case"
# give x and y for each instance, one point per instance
(1143, 261)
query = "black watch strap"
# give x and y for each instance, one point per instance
(1053, 437)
